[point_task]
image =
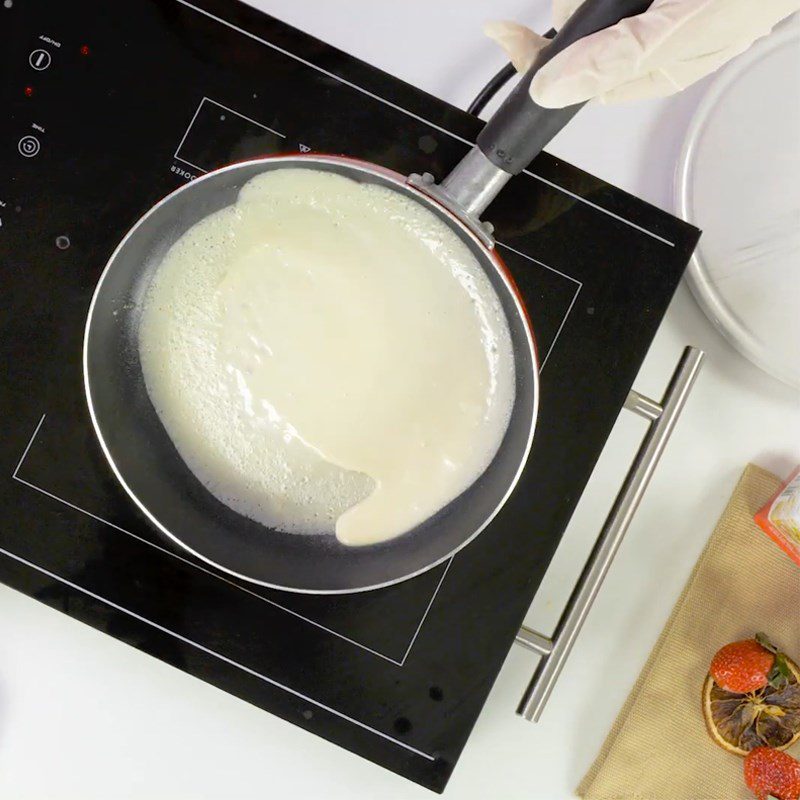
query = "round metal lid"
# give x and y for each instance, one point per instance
(739, 181)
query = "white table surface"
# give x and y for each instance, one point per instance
(84, 716)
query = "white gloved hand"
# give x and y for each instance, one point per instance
(672, 45)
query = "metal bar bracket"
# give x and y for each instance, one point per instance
(662, 418)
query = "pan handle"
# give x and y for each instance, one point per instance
(519, 129)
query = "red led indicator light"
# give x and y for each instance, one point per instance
(29, 91)
(85, 50)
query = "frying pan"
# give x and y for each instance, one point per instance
(145, 460)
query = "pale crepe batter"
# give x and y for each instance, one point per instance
(328, 355)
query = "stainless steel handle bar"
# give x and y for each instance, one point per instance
(555, 650)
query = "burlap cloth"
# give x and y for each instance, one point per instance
(658, 748)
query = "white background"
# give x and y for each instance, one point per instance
(84, 716)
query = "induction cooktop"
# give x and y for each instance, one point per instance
(107, 107)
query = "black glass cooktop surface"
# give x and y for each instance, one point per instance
(107, 107)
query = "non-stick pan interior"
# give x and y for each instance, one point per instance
(147, 463)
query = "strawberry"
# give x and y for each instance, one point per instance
(771, 773)
(742, 667)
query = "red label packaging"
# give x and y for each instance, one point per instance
(780, 517)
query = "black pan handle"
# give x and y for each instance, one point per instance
(520, 129)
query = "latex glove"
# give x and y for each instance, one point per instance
(672, 45)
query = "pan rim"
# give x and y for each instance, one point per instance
(397, 178)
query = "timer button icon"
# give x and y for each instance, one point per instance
(39, 59)
(28, 146)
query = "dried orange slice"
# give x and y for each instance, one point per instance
(769, 717)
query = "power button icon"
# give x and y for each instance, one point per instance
(28, 146)
(39, 59)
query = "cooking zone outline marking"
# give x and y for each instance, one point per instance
(225, 108)
(63, 501)
(405, 111)
(220, 656)
(15, 476)
(399, 663)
